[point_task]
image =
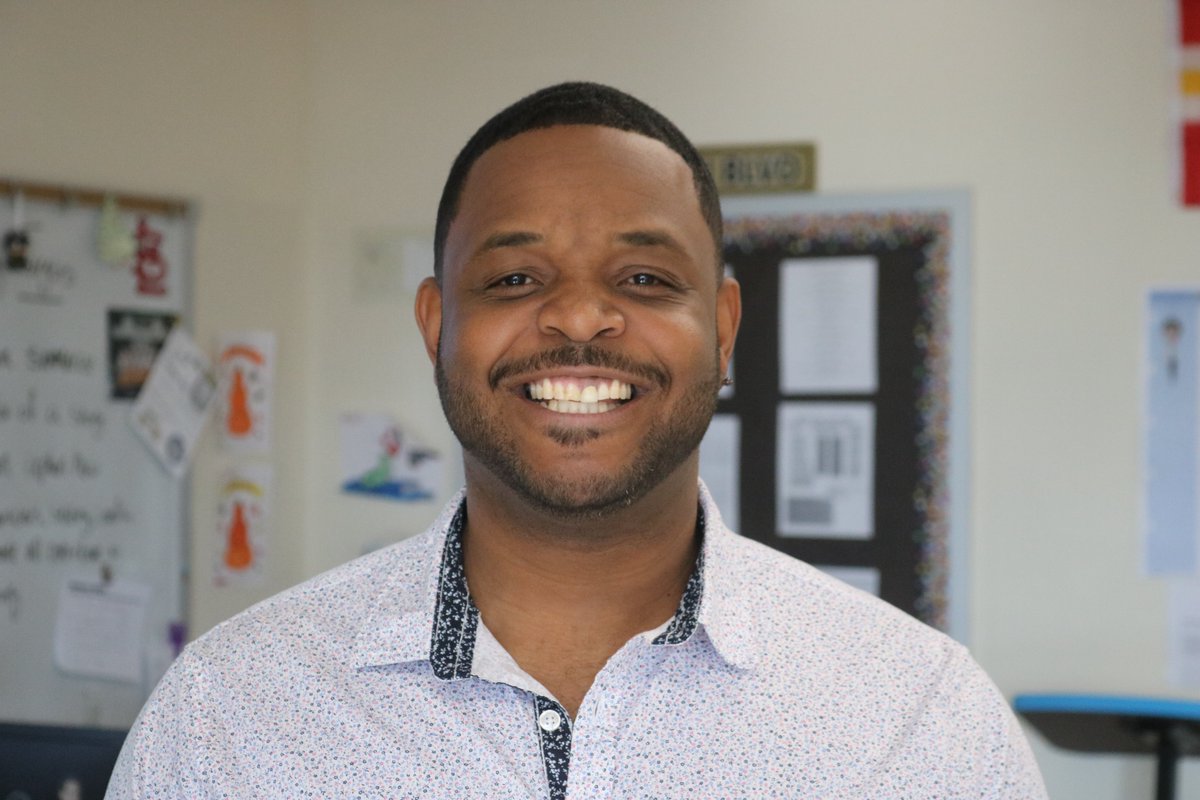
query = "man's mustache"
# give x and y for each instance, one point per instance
(583, 355)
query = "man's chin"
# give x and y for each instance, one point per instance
(577, 498)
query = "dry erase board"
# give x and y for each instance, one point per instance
(92, 547)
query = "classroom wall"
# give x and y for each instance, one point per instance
(306, 127)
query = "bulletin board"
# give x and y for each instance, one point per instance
(89, 522)
(848, 413)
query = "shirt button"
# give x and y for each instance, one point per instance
(549, 720)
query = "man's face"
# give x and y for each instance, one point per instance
(581, 330)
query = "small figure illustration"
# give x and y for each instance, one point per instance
(1172, 331)
(16, 249)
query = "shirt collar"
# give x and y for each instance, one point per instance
(726, 610)
(437, 620)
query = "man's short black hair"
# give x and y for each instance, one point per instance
(577, 103)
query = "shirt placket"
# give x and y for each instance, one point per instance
(554, 733)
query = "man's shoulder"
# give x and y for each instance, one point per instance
(793, 606)
(332, 606)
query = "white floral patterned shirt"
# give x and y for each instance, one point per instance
(378, 680)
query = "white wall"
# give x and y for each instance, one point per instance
(300, 126)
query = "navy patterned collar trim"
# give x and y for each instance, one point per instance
(687, 616)
(456, 619)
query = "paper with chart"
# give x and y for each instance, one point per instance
(825, 470)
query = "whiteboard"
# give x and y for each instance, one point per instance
(82, 502)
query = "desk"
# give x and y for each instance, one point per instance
(1167, 729)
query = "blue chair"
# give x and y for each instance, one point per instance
(1089, 723)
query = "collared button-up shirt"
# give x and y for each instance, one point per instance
(378, 679)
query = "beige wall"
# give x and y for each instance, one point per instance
(300, 126)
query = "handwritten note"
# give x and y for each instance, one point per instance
(53, 449)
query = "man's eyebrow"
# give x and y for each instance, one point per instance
(509, 239)
(651, 238)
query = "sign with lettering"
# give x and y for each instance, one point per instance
(762, 169)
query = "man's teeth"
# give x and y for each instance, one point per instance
(572, 407)
(572, 397)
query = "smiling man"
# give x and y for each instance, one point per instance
(578, 622)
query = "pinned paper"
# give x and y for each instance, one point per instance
(115, 242)
(246, 377)
(170, 411)
(381, 460)
(243, 520)
(829, 316)
(99, 631)
(1171, 427)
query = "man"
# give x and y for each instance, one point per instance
(579, 622)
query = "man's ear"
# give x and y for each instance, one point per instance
(428, 310)
(729, 318)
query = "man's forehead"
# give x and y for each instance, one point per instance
(564, 145)
(575, 161)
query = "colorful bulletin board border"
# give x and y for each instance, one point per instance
(933, 226)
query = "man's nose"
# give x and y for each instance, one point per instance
(581, 312)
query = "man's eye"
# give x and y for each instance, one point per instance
(516, 279)
(645, 279)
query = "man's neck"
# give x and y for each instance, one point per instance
(563, 595)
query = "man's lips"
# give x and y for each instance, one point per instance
(577, 361)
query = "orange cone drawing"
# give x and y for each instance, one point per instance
(237, 554)
(239, 421)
